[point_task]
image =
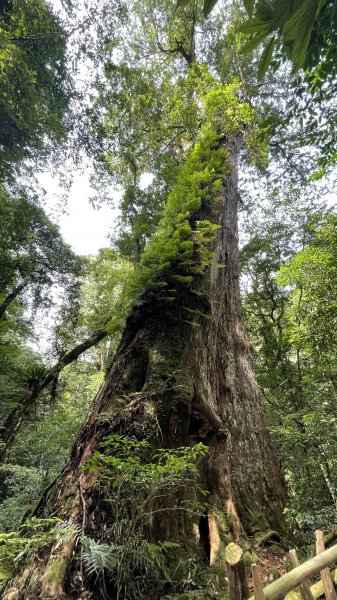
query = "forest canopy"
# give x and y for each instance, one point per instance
(175, 392)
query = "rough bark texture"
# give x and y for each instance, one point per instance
(225, 382)
(180, 383)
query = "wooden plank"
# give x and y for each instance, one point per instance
(289, 581)
(236, 573)
(304, 586)
(258, 587)
(328, 586)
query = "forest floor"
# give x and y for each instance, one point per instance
(272, 562)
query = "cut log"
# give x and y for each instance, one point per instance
(236, 573)
(328, 585)
(279, 588)
(304, 587)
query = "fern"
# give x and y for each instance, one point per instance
(98, 558)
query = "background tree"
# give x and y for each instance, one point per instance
(295, 391)
(81, 324)
(34, 82)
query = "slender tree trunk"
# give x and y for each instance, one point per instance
(183, 382)
(14, 420)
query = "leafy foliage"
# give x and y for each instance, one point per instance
(33, 81)
(294, 349)
(18, 489)
(32, 535)
(179, 250)
(136, 483)
(306, 31)
(32, 248)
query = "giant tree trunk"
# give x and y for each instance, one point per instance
(181, 383)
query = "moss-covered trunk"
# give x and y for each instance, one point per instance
(183, 373)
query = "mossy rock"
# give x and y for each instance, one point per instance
(250, 557)
(273, 574)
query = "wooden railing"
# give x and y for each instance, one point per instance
(298, 578)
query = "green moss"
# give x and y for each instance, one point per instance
(56, 571)
(254, 523)
(273, 574)
(179, 251)
(250, 558)
(7, 568)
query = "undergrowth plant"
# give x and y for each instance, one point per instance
(135, 483)
(32, 535)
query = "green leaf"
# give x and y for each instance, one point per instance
(182, 3)
(299, 29)
(264, 11)
(249, 6)
(265, 59)
(252, 26)
(282, 12)
(255, 41)
(208, 6)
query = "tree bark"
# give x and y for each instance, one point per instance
(182, 383)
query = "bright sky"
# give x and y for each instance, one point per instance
(85, 228)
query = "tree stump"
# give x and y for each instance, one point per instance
(236, 573)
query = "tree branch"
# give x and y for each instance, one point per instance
(14, 420)
(11, 296)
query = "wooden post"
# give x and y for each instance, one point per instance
(328, 585)
(236, 573)
(318, 589)
(258, 587)
(304, 586)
